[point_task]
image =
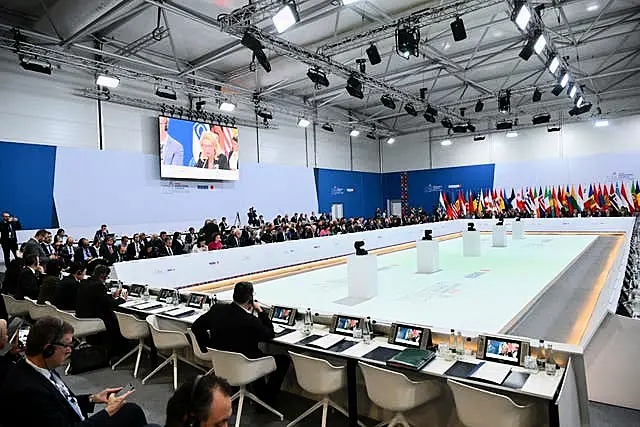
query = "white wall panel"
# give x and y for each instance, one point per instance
(41, 109)
(409, 152)
(129, 129)
(584, 139)
(285, 145)
(333, 150)
(463, 152)
(366, 155)
(529, 145)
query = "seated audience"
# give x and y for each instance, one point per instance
(108, 250)
(150, 251)
(121, 254)
(135, 247)
(102, 233)
(30, 278)
(85, 251)
(66, 292)
(67, 251)
(50, 281)
(94, 301)
(203, 401)
(38, 396)
(233, 327)
(166, 249)
(97, 245)
(60, 236)
(234, 239)
(176, 244)
(191, 238)
(124, 241)
(32, 246)
(47, 245)
(201, 246)
(216, 243)
(12, 276)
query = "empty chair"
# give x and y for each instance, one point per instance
(395, 392)
(240, 371)
(16, 307)
(318, 376)
(132, 328)
(204, 357)
(166, 340)
(38, 311)
(474, 405)
(82, 327)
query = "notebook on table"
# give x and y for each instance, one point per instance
(327, 341)
(381, 354)
(148, 305)
(180, 312)
(412, 358)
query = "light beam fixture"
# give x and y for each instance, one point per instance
(354, 133)
(446, 142)
(104, 80)
(286, 17)
(554, 62)
(391, 141)
(523, 15)
(227, 106)
(303, 123)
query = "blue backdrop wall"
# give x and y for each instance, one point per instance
(359, 192)
(27, 173)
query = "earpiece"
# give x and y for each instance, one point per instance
(193, 421)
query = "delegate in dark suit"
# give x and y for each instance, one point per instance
(8, 237)
(28, 284)
(82, 254)
(108, 253)
(32, 246)
(66, 293)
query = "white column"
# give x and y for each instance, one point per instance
(517, 230)
(428, 256)
(471, 243)
(499, 236)
(362, 276)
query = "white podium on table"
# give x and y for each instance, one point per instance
(428, 256)
(471, 243)
(517, 231)
(499, 236)
(362, 276)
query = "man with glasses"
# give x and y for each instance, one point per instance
(8, 237)
(35, 394)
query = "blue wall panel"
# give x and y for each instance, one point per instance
(391, 186)
(359, 192)
(26, 174)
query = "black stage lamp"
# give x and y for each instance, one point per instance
(504, 101)
(431, 111)
(541, 119)
(428, 117)
(471, 127)
(527, 50)
(407, 41)
(446, 123)
(318, 77)
(457, 28)
(557, 90)
(354, 87)
(504, 125)
(327, 127)
(460, 128)
(249, 41)
(374, 55)
(388, 101)
(411, 110)
(479, 106)
(537, 95)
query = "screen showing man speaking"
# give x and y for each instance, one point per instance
(196, 150)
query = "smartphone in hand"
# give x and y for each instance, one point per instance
(129, 387)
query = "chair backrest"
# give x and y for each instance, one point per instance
(196, 347)
(164, 339)
(482, 408)
(15, 307)
(38, 311)
(131, 327)
(318, 376)
(82, 327)
(238, 369)
(394, 391)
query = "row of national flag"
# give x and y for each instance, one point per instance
(539, 202)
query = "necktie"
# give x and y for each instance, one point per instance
(170, 251)
(62, 388)
(137, 249)
(86, 253)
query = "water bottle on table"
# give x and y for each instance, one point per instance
(308, 322)
(146, 295)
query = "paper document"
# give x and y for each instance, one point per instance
(130, 303)
(492, 372)
(179, 311)
(148, 305)
(327, 341)
(277, 329)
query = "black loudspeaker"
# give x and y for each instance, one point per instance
(374, 55)
(457, 28)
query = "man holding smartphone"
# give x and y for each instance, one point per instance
(38, 396)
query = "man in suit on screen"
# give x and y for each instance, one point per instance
(171, 151)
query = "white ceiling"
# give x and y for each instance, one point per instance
(600, 40)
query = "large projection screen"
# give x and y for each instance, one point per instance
(198, 151)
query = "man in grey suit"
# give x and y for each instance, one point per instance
(171, 151)
(33, 247)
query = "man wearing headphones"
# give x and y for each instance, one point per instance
(33, 393)
(205, 401)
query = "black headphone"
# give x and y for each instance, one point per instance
(50, 349)
(193, 421)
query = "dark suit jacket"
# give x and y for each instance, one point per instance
(163, 251)
(48, 249)
(229, 327)
(47, 289)
(131, 249)
(104, 253)
(92, 301)
(34, 401)
(28, 284)
(232, 242)
(100, 235)
(66, 293)
(32, 246)
(7, 228)
(79, 256)
(64, 254)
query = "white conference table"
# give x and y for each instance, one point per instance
(538, 385)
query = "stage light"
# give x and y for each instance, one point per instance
(250, 42)
(457, 28)
(553, 64)
(540, 43)
(35, 65)
(471, 127)
(460, 128)
(600, 123)
(446, 123)
(391, 141)
(446, 142)
(374, 55)
(354, 87)
(286, 17)
(431, 111)
(327, 127)
(411, 110)
(354, 133)
(372, 136)
(265, 114)
(557, 90)
(423, 93)
(504, 125)
(104, 80)
(388, 101)
(227, 106)
(504, 101)
(318, 77)
(523, 16)
(572, 91)
(592, 8)
(479, 138)
(348, 2)
(167, 93)
(564, 79)
(579, 102)
(428, 117)
(527, 50)
(537, 95)
(576, 111)
(200, 104)
(553, 128)
(479, 106)
(541, 118)
(512, 134)
(407, 41)
(303, 123)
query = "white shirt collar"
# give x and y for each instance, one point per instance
(242, 307)
(45, 372)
